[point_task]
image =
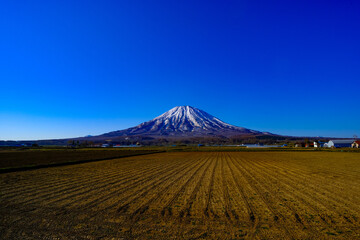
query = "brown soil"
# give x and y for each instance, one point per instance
(194, 195)
(14, 159)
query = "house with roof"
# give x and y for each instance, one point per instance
(299, 145)
(318, 144)
(356, 144)
(340, 143)
(307, 145)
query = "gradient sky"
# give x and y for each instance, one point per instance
(72, 68)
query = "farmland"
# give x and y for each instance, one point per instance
(187, 195)
(16, 159)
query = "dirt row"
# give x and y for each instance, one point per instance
(188, 195)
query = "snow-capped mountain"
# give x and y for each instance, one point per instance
(183, 121)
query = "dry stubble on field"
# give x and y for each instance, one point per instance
(209, 195)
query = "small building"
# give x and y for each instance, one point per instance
(307, 145)
(340, 143)
(318, 144)
(356, 144)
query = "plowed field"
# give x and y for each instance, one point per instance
(193, 195)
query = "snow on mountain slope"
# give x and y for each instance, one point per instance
(184, 121)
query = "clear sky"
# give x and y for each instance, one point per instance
(73, 68)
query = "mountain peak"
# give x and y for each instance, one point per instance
(184, 121)
(188, 118)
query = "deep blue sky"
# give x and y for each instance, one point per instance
(73, 68)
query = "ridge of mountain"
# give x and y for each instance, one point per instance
(184, 121)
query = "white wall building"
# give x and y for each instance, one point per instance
(340, 143)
